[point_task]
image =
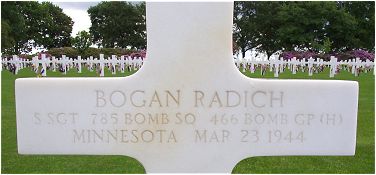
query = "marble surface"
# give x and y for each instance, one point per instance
(188, 109)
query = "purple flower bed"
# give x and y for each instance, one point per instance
(299, 55)
(363, 55)
(289, 55)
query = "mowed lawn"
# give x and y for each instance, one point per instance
(362, 162)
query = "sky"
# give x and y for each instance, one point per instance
(78, 12)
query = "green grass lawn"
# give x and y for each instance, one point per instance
(362, 162)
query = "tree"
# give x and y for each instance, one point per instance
(267, 30)
(34, 24)
(57, 27)
(82, 41)
(301, 24)
(118, 24)
(341, 29)
(13, 20)
(7, 41)
(256, 26)
(316, 26)
(244, 28)
(364, 14)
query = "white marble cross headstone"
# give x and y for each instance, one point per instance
(68, 63)
(132, 62)
(128, 63)
(303, 64)
(348, 65)
(90, 62)
(333, 66)
(64, 62)
(310, 66)
(271, 63)
(22, 61)
(177, 114)
(79, 64)
(101, 65)
(113, 62)
(368, 65)
(44, 62)
(282, 65)
(358, 65)
(122, 64)
(353, 66)
(276, 63)
(263, 66)
(16, 62)
(244, 64)
(294, 63)
(53, 61)
(35, 63)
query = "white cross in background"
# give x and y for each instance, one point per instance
(310, 66)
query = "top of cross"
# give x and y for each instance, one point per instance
(210, 35)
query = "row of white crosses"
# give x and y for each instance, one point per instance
(65, 64)
(278, 65)
(14, 64)
(275, 64)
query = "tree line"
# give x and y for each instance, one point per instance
(323, 27)
(267, 27)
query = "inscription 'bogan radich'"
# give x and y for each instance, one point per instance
(169, 98)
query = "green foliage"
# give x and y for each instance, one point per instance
(341, 30)
(115, 51)
(118, 24)
(74, 52)
(364, 14)
(34, 24)
(29, 57)
(91, 52)
(82, 41)
(11, 15)
(324, 26)
(327, 46)
(7, 41)
(57, 29)
(110, 51)
(305, 23)
(244, 32)
(301, 24)
(68, 51)
(267, 41)
(256, 26)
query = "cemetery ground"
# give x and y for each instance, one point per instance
(362, 162)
